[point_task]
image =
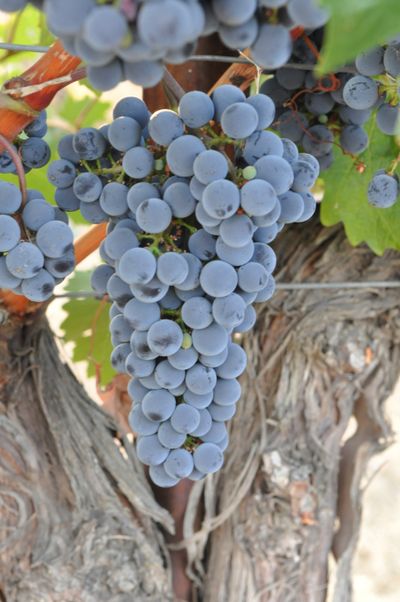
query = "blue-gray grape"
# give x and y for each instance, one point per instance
(10, 198)
(197, 312)
(137, 265)
(168, 436)
(239, 120)
(180, 199)
(10, 233)
(229, 311)
(200, 379)
(160, 477)
(383, 191)
(150, 451)
(210, 340)
(54, 239)
(181, 154)
(360, 92)
(183, 359)
(158, 405)
(167, 376)
(210, 165)
(172, 269)
(221, 199)
(208, 458)
(140, 424)
(218, 278)
(185, 418)
(179, 464)
(196, 109)
(118, 242)
(165, 337)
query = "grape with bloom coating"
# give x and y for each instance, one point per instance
(158, 405)
(218, 278)
(221, 199)
(210, 340)
(185, 418)
(165, 337)
(208, 458)
(200, 379)
(150, 451)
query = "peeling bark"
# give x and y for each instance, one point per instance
(78, 519)
(316, 359)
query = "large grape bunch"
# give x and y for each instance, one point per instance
(132, 40)
(33, 150)
(318, 113)
(192, 200)
(36, 250)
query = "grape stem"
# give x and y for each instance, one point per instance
(18, 166)
(173, 88)
(222, 140)
(116, 169)
(394, 165)
(22, 91)
(181, 222)
(171, 312)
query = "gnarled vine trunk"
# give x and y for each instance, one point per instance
(289, 494)
(78, 520)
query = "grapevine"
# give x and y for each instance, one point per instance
(191, 197)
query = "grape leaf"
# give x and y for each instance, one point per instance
(355, 26)
(86, 327)
(345, 198)
(23, 27)
(83, 112)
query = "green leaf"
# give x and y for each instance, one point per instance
(87, 328)
(46, 38)
(87, 111)
(355, 26)
(345, 198)
(23, 27)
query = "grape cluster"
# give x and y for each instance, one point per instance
(192, 200)
(383, 190)
(132, 41)
(36, 251)
(318, 113)
(32, 149)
